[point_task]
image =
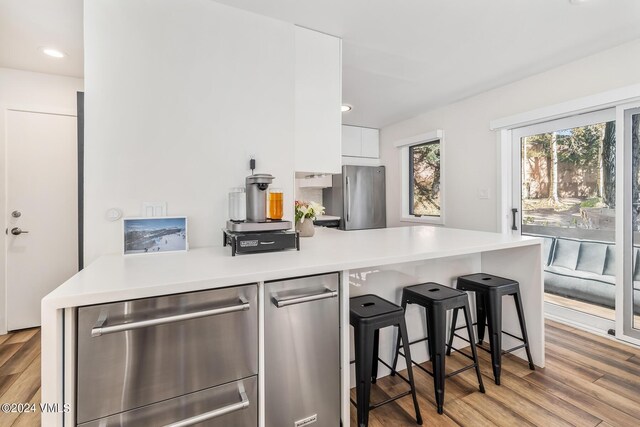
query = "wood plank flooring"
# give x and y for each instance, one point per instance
(20, 375)
(589, 381)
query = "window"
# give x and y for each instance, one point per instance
(422, 157)
(424, 179)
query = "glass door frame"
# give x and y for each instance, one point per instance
(555, 311)
(625, 329)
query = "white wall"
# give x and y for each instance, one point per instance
(179, 94)
(471, 148)
(35, 92)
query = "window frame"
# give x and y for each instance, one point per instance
(406, 168)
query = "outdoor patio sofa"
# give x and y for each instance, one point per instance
(585, 270)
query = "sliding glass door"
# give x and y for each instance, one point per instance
(564, 192)
(576, 184)
(629, 294)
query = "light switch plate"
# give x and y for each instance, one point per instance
(151, 209)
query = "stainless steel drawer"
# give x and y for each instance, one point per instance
(302, 352)
(234, 404)
(140, 352)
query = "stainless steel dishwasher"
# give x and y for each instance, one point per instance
(176, 360)
(302, 352)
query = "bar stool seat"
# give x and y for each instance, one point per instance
(489, 290)
(437, 299)
(368, 314)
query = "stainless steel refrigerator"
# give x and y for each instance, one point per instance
(358, 197)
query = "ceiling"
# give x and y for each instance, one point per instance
(27, 25)
(400, 58)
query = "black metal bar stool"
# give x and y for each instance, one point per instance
(437, 299)
(489, 292)
(368, 314)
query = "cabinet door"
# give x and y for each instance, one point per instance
(351, 141)
(302, 352)
(370, 143)
(318, 96)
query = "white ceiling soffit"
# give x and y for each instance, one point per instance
(27, 25)
(401, 58)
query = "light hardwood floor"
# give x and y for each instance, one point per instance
(585, 307)
(589, 381)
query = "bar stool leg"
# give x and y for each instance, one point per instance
(364, 346)
(395, 357)
(523, 328)
(474, 353)
(494, 317)
(407, 356)
(481, 316)
(454, 320)
(437, 340)
(374, 359)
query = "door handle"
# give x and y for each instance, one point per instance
(298, 300)
(99, 330)
(16, 231)
(243, 404)
(514, 211)
(348, 200)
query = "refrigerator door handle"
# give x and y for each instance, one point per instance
(348, 200)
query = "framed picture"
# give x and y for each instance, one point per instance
(155, 235)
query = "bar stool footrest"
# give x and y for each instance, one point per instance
(514, 349)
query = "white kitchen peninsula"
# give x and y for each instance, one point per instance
(370, 261)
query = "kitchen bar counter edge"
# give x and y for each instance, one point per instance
(117, 278)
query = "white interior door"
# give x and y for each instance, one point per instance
(42, 202)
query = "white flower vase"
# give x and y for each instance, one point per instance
(306, 228)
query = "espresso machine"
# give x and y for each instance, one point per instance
(258, 233)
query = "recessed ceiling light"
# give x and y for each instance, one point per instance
(577, 2)
(346, 108)
(54, 53)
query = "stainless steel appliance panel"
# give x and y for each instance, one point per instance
(233, 404)
(140, 352)
(358, 196)
(364, 197)
(302, 352)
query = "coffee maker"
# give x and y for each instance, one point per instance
(256, 191)
(258, 233)
(256, 194)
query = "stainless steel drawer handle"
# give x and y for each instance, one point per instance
(298, 300)
(244, 403)
(99, 330)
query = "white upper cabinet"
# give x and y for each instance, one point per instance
(351, 141)
(370, 143)
(318, 97)
(360, 142)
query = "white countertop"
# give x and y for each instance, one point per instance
(116, 278)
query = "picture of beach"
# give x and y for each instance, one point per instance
(154, 235)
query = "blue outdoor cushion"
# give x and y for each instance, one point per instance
(592, 257)
(610, 263)
(566, 253)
